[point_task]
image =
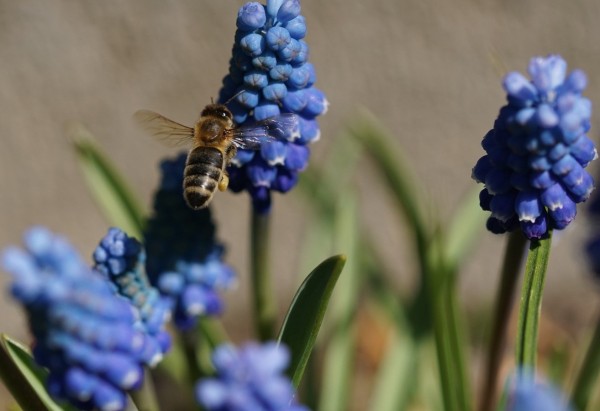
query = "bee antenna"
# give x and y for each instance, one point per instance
(234, 96)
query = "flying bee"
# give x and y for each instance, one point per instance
(215, 139)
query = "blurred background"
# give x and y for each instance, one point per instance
(429, 70)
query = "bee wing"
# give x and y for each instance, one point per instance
(282, 127)
(168, 131)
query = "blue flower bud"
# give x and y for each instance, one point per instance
(297, 157)
(302, 56)
(296, 27)
(266, 110)
(277, 38)
(275, 92)
(260, 174)
(519, 88)
(291, 51)
(295, 101)
(281, 72)
(316, 104)
(255, 79)
(248, 98)
(289, 10)
(274, 152)
(242, 157)
(309, 131)
(265, 61)
(299, 77)
(251, 16)
(253, 44)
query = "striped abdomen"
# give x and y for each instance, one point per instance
(203, 171)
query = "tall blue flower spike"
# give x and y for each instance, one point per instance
(527, 394)
(184, 259)
(537, 151)
(269, 74)
(121, 259)
(84, 334)
(249, 378)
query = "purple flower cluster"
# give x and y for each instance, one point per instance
(269, 74)
(250, 378)
(121, 260)
(84, 334)
(536, 153)
(184, 259)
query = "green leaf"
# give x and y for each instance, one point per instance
(339, 357)
(305, 315)
(587, 375)
(395, 171)
(466, 225)
(23, 378)
(107, 185)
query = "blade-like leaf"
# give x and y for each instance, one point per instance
(305, 315)
(23, 378)
(466, 225)
(338, 364)
(107, 185)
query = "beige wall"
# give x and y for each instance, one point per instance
(429, 69)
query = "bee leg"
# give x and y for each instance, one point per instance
(224, 182)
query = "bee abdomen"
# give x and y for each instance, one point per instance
(203, 170)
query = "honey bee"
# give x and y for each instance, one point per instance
(215, 139)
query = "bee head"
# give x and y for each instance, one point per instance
(218, 111)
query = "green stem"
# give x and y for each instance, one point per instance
(513, 258)
(145, 398)
(189, 342)
(588, 374)
(531, 301)
(264, 303)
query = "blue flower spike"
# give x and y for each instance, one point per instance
(249, 378)
(269, 75)
(536, 154)
(184, 259)
(85, 334)
(121, 260)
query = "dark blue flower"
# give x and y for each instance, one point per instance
(84, 334)
(537, 151)
(269, 75)
(184, 260)
(250, 378)
(527, 394)
(121, 260)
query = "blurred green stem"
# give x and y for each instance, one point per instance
(531, 301)
(263, 296)
(145, 398)
(588, 373)
(190, 342)
(513, 258)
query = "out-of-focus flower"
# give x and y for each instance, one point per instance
(250, 378)
(527, 394)
(269, 74)
(537, 151)
(121, 260)
(184, 260)
(593, 246)
(84, 334)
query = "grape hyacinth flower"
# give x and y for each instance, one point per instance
(84, 334)
(527, 394)
(536, 153)
(121, 259)
(269, 74)
(249, 378)
(184, 260)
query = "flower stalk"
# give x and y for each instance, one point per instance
(513, 258)
(145, 398)
(262, 293)
(531, 302)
